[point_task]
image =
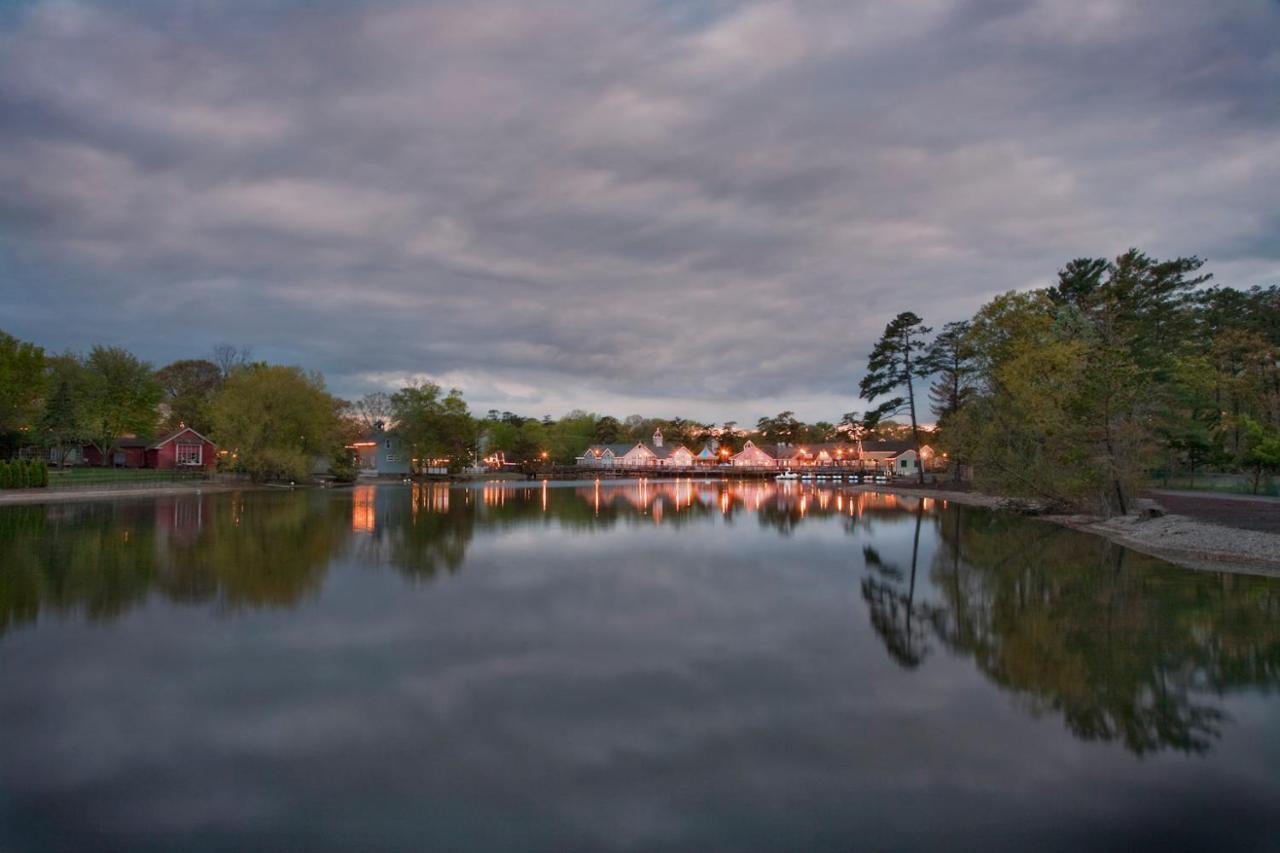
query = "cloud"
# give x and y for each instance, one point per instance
(708, 209)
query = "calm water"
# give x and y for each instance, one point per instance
(634, 666)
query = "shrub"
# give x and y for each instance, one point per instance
(39, 474)
(19, 474)
(343, 467)
(277, 463)
(6, 476)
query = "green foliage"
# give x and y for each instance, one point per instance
(781, 428)
(1263, 450)
(435, 427)
(898, 359)
(1072, 393)
(6, 475)
(119, 395)
(189, 386)
(344, 466)
(22, 382)
(275, 420)
(39, 474)
(61, 425)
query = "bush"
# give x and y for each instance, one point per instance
(343, 467)
(19, 474)
(39, 474)
(280, 464)
(6, 476)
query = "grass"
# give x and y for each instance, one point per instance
(79, 477)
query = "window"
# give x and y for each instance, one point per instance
(190, 454)
(388, 444)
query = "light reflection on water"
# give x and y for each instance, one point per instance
(688, 664)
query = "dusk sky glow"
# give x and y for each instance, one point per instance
(705, 209)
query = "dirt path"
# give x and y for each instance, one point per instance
(1244, 512)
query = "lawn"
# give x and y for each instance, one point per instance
(69, 478)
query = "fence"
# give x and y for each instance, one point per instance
(1228, 483)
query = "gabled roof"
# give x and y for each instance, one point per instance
(172, 436)
(666, 450)
(706, 452)
(617, 449)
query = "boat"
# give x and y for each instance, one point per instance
(788, 475)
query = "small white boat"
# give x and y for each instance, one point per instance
(787, 475)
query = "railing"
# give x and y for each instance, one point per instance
(581, 472)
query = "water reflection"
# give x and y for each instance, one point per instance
(1124, 647)
(1121, 647)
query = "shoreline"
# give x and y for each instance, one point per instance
(1201, 545)
(27, 497)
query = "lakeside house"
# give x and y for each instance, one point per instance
(654, 454)
(185, 449)
(382, 453)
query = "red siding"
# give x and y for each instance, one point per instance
(166, 455)
(131, 457)
(163, 456)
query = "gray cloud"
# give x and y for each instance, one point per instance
(708, 209)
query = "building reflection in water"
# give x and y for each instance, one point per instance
(363, 510)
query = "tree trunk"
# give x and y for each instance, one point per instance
(911, 402)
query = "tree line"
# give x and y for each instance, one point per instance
(274, 421)
(1073, 394)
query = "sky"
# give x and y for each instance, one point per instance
(700, 208)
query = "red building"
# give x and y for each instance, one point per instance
(185, 449)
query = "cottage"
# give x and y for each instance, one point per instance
(656, 454)
(896, 456)
(753, 457)
(604, 455)
(185, 449)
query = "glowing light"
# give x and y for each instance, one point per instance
(363, 514)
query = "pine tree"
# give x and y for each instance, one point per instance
(894, 364)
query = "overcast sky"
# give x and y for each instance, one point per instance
(707, 209)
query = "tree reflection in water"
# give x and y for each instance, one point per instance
(1123, 647)
(896, 617)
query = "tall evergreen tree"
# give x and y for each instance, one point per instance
(896, 362)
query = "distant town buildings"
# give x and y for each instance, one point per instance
(888, 456)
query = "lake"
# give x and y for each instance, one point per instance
(626, 665)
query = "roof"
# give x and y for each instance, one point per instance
(666, 450)
(172, 436)
(617, 448)
(791, 451)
